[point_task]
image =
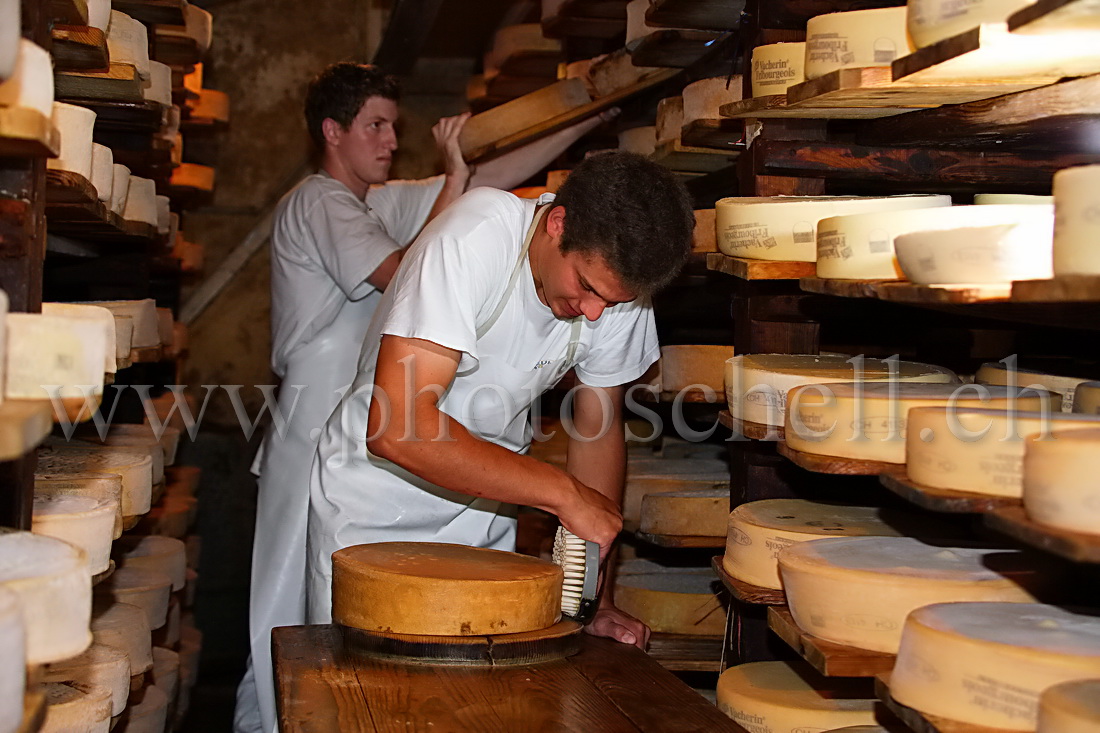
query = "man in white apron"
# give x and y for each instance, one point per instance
(338, 238)
(495, 301)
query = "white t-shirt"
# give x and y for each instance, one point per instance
(324, 245)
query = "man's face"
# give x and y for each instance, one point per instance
(366, 147)
(575, 284)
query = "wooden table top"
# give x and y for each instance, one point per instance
(607, 687)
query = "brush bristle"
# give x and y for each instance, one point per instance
(569, 553)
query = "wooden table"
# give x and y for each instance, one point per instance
(609, 687)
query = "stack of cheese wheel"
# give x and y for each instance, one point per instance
(854, 40)
(654, 475)
(1027, 199)
(640, 140)
(443, 590)
(13, 655)
(698, 512)
(776, 67)
(75, 706)
(30, 85)
(198, 26)
(55, 356)
(1075, 221)
(120, 188)
(757, 385)
(55, 592)
(930, 21)
(103, 172)
(758, 530)
(126, 628)
(1070, 707)
(75, 125)
(97, 315)
(141, 201)
(1059, 480)
(159, 87)
(147, 589)
(1018, 248)
(978, 450)
(676, 603)
(987, 663)
(102, 665)
(777, 696)
(138, 443)
(73, 461)
(1000, 373)
(169, 634)
(1086, 398)
(128, 43)
(151, 714)
(143, 313)
(690, 365)
(102, 487)
(703, 98)
(160, 554)
(868, 421)
(785, 227)
(84, 521)
(857, 591)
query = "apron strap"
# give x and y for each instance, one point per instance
(484, 328)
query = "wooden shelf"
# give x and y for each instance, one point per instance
(681, 541)
(1076, 546)
(1052, 16)
(1064, 289)
(587, 19)
(27, 133)
(725, 135)
(686, 652)
(942, 500)
(673, 48)
(79, 47)
(70, 12)
(74, 209)
(752, 430)
(831, 660)
(146, 355)
(840, 288)
(175, 50)
(920, 722)
(746, 592)
(143, 116)
(674, 156)
(164, 12)
(775, 106)
(706, 15)
(121, 84)
(747, 269)
(23, 425)
(900, 291)
(833, 465)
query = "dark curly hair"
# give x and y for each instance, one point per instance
(633, 212)
(340, 91)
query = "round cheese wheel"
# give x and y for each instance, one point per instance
(777, 696)
(30, 84)
(776, 67)
(636, 28)
(1086, 398)
(134, 468)
(151, 714)
(101, 487)
(699, 513)
(146, 589)
(703, 98)
(785, 227)
(999, 373)
(758, 530)
(144, 312)
(143, 443)
(125, 628)
(1070, 707)
(1059, 480)
(73, 706)
(1075, 222)
(443, 590)
(102, 665)
(141, 206)
(977, 450)
(985, 199)
(868, 421)
(165, 555)
(653, 475)
(757, 385)
(640, 140)
(166, 671)
(55, 350)
(689, 365)
(54, 587)
(855, 39)
(857, 591)
(128, 43)
(930, 21)
(13, 656)
(987, 663)
(84, 521)
(169, 634)
(75, 125)
(120, 189)
(91, 313)
(677, 603)
(103, 172)
(99, 14)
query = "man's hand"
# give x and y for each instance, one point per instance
(612, 623)
(446, 133)
(590, 515)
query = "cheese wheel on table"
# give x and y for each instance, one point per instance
(640, 140)
(102, 665)
(757, 385)
(30, 84)
(676, 603)
(74, 706)
(1086, 398)
(987, 663)
(868, 421)
(1070, 707)
(75, 125)
(59, 460)
(857, 591)
(13, 661)
(999, 373)
(776, 67)
(701, 512)
(855, 39)
(758, 530)
(90, 313)
(784, 228)
(985, 199)
(1076, 225)
(1060, 486)
(778, 696)
(83, 521)
(684, 366)
(930, 21)
(165, 555)
(125, 628)
(443, 590)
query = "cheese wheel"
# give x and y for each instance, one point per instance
(757, 384)
(99, 14)
(700, 513)
(785, 227)
(930, 21)
(868, 421)
(30, 82)
(103, 172)
(1086, 398)
(1076, 224)
(1000, 373)
(75, 126)
(443, 590)
(140, 443)
(166, 671)
(985, 199)
(1001, 253)
(1070, 707)
(164, 215)
(670, 119)
(857, 591)
(703, 98)
(10, 25)
(676, 603)
(125, 628)
(980, 451)
(141, 201)
(101, 487)
(778, 696)
(636, 27)
(120, 189)
(124, 338)
(13, 655)
(640, 140)
(92, 313)
(1059, 480)
(74, 706)
(102, 665)
(161, 554)
(776, 67)
(135, 468)
(83, 521)
(690, 365)
(144, 313)
(159, 87)
(55, 591)
(151, 714)
(758, 530)
(987, 663)
(662, 475)
(855, 39)
(198, 26)
(55, 356)
(169, 634)
(149, 590)
(128, 43)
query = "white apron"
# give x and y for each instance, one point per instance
(358, 498)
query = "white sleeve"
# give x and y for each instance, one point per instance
(403, 206)
(624, 348)
(350, 243)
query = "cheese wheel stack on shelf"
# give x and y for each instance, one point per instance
(148, 590)
(141, 201)
(120, 188)
(1075, 221)
(757, 385)
(159, 87)
(930, 21)
(784, 228)
(1059, 480)
(128, 43)
(83, 521)
(126, 628)
(855, 39)
(143, 312)
(1070, 707)
(699, 512)
(99, 487)
(685, 366)
(13, 656)
(857, 591)
(777, 696)
(673, 602)
(75, 126)
(29, 85)
(654, 475)
(151, 714)
(1011, 375)
(74, 706)
(868, 421)
(166, 671)
(102, 665)
(776, 67)
(640, 140)
(93, 314)
(139, 443)
(58, 460)
(987, 663)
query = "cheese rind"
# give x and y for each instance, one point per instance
(101, 487)
(120, 189)
(1086, 398)
(74, 706)
(103, 172)
(128, 43)
(1059, 480)
(703, 98)
(1027, 199)
(857, 591)
(147, 589)
(696, 513)
(141, 201)
(92, 313)
(443, 590)
(125, 628)
(1076, 227)
(987, 663)
(684, 366)
(999, 373)
(30, 84)
(82, 521)
(676, 603)
(165, 555)
(135, 469)
(930, 21)
(1070, 707)
(855, 39)
(55, 356)
(776, 67)
(144, 313)
(101, 665)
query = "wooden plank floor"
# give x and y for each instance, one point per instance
(608, 687)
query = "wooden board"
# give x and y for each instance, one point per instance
(121, 83)
(750, 429)
(920, 722)
(166, 12)
(840, 288)
(146, 355)
(681, 541)
(674, 156)
(747, 269)
(746, 592)
(557, 642)
(174, 49)
(774, 106)
(27, 133)
(718, 134)
(483, 130)
(1063, 289)
(72, 208)
(673, 48)
(508, 87)
(907, 292)
(320, 687)
(532, 63)
(831, 660)
(1053, 16)
(79, 47)
(942, 500)
(1013, 521)
(833, 465)
(23, 425)
(712, 15)
(686, 652)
